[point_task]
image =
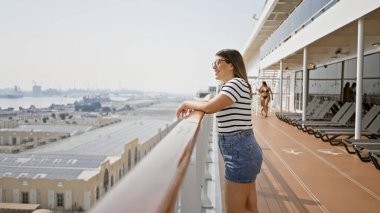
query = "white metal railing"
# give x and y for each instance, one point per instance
(200, 188)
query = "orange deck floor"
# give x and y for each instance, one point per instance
(301, 173)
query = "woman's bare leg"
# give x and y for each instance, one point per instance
(266, 106)
(239, 198)
(252, 199)
(262, 105)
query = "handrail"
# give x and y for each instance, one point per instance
(153, 185)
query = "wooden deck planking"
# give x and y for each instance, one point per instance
(341, 182)
(268, 191)
(301, 173)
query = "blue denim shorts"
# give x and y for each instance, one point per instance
(242, 156)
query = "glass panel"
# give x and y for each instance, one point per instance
(332, 71)
(371, 66)
(298, 91)
(305, 10)
(350, 69)
(316, 5)
(371, 92)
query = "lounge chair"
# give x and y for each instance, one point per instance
(349, 143)
(366, 121)
(339, 119)
(319, 114)
(375, 157)
(310, 108)
(315, 111)
(363, 151)
(372, 132)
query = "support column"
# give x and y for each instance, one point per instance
(258, 105)
(281, 75)
(305, 84)
(359, 79)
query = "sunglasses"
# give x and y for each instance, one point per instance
(217, 62)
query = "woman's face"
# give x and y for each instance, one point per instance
(223, 70)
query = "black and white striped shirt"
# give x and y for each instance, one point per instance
(237, 116)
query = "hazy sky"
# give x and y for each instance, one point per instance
(151, 45)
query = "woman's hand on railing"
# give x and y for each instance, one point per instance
(183, 111)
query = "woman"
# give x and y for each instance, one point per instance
(265, 93)
(242, 155)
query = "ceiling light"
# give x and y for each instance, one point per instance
(339, 51)
(376, 44)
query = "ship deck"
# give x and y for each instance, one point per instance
(301, 173)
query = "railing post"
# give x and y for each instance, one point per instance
(204, 146)
(193, 195)
(190, 199)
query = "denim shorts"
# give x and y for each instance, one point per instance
(242, 156)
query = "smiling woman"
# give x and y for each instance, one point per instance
(242, 155)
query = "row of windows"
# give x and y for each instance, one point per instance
(371, 67)
(329, 81)
(106, 178)
(59, 198)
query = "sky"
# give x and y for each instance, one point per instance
(147, 45)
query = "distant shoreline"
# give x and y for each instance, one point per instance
(39, 102)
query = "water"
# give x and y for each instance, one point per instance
(38, 102)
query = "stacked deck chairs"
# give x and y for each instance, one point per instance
(375, 156)
(340, 119)
(370, 129)
(319, 113)
(311, 107)
(341, 125)
(366, 149)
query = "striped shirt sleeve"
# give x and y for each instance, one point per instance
(236, 90)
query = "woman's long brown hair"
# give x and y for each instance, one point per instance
(234, 57)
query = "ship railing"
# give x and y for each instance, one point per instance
(173, 177)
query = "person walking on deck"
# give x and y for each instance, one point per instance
(265, 95)
(241, 153)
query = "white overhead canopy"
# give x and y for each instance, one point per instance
(274, 13)
(325, 45)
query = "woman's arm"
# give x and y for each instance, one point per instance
(271, 93)
(216, 104)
